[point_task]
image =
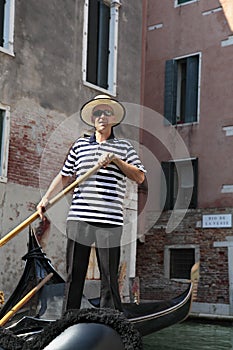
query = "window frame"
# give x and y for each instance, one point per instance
(5, 143)
(113, 47)
(167, 258)
(174, 83)
(176, 4)
(8, 30)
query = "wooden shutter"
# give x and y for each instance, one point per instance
(192, 89)
(2, 7)
(170, 91)
(194, 198)
(98, 43)
(2, 115)
(168, 170)
(103, 49)
(182, 1)
(92, 42)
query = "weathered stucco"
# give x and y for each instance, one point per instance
(43, 86)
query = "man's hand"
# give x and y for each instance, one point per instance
(131, 171)
(41, 207)
(58, 183)
(106, 159)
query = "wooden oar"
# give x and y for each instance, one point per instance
(54, 200)
(24, 300)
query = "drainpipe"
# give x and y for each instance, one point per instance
(113, 42)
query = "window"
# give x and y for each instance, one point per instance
(4, 140)
(181, 184)
(182, 90)
(181, 262)
(7, 8)
(100, 44)
(181, 2)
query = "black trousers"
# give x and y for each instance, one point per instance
(107, 238)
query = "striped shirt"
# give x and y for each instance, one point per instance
(100, 197)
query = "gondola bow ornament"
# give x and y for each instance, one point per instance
(24, 300)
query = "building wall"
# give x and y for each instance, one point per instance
(214, 280)
(42, 84)
(197, 27)
(187, 30)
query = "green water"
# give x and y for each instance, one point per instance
(191, 335)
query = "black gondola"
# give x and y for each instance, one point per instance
(37, 267)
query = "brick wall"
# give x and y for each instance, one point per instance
(214, 282)
(28, 138)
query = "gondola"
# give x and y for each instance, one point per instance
(31, 321)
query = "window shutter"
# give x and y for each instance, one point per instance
(103, 49)
(167, 188)
(182, 1)
(170, 91)
(92, 44)
(2, 5)
(192, 89)
(2, 115)
(193, 202)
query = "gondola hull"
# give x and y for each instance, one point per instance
(153, 321)
(145, 318)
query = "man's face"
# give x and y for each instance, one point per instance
(103, 117)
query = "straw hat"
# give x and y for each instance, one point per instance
(87, 108)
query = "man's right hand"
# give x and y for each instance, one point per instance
(41, 206)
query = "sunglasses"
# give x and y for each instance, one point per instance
(99, 112)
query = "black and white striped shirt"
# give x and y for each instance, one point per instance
(100, 197)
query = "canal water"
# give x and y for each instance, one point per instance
(191, 335)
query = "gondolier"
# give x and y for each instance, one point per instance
(96, 211)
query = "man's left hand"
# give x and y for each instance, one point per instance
(106, 159)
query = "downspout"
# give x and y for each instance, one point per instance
(113, 43)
